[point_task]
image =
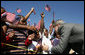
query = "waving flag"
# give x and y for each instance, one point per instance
(3, 15)
(18, 10)
(47, 7)
(50, 25)
(28, 20)
(10, 16)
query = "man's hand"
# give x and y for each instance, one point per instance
(45, 47)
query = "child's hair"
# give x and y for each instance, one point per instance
(31, 32)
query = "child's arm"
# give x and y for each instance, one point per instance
(32, 9)
(22, 27)
(42, 23)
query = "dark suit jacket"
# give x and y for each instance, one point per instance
(72, 36)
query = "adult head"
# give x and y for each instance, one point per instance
(58, 23)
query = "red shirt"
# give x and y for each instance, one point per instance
(28, 42)
(4, 39)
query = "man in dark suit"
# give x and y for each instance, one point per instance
(72, 37)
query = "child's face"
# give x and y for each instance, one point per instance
(31, 36)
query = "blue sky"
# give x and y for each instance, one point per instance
(69, 11)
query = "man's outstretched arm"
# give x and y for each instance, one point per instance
(65, 32)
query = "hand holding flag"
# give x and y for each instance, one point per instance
(32, 9)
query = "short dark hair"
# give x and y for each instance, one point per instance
(31, 32)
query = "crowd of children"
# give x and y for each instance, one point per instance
(36, 38)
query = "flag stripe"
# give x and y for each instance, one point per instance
(47, 7)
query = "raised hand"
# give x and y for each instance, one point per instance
(32, 9)
(42, 15)
(29, 13)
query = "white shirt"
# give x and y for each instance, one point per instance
(32, 46)
(46, 41)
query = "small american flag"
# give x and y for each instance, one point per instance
(10, 16)
(18, 10)
(50, 25)
(47, 7)
(36, 27)
(3, 15)
(28, 20)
